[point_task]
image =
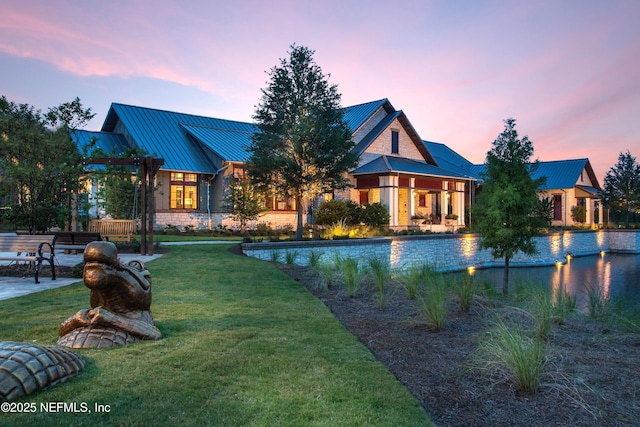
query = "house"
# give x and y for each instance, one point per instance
(396, 167)
(569, 184)
(424, 184)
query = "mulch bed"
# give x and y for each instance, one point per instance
(592, 376)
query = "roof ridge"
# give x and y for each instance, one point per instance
(178, 113)
(183, 124)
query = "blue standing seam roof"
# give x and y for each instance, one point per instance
(162, 134)
(357, 115)
(231, 145)
(387, 164)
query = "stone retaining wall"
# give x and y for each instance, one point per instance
(450, 252)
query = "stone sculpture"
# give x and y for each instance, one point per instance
(120, 302)
(26, 367)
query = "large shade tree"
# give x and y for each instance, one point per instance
(40, 166)
(302, 146)
(506, 208)
(621, 190)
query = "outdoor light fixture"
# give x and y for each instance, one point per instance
(471, 270)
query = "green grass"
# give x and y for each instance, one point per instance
(243, 344)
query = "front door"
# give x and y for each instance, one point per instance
(557, 207)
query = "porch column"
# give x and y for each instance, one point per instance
(460, 202)
(589, 208)
(389, 197)
(443, 202)
(600, 213)
(412, 195)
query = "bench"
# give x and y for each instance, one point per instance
(75, 240)
(33, 248)
(115, 230)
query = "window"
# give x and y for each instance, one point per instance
(394, 142)
(184, 190)
(275, 204)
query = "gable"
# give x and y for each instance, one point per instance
(382, 144)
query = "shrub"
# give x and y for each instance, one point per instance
(579, 214)
(375, 215)
(334, 211)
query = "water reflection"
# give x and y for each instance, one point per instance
(617, 275)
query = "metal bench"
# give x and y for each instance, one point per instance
(33, 248)
(75, 240)
(115, 230)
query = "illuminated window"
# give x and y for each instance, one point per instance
(184, 190)
(275, 204)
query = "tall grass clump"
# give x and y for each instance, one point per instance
(464, 288)
(411, 280)
(380, 271)
(433, 304)
(314, 259)
(275, 256)
(520, 357)
(564, 303)
(351, 275)
(290, 257)
(599, 302)
(543, 312)
(327, 273)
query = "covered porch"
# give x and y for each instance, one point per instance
(416, 202)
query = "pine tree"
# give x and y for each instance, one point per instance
(303, 145)
(506, 207)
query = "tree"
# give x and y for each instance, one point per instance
(622, 186)
(243, 201)
(303, 145)
(506, 206)
(40, 165)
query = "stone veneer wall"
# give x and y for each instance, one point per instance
(450, 252)
(205, 221)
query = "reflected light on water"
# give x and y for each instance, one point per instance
(616, 275)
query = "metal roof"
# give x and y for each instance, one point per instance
(162, 134)
(449, 159)
(107, 142)
(388, 164)
(231, 145)
(559, 173)
(357, 115)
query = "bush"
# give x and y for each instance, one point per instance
(335, 211)
(579, 214)
(350, 213)
(375, 215)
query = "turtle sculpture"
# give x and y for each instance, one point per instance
(120, 302)
(26, 367)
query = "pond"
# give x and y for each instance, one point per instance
(618, 275)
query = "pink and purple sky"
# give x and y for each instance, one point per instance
(567, 70)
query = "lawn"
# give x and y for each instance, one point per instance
(243, 344)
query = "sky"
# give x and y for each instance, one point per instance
(568, 71)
